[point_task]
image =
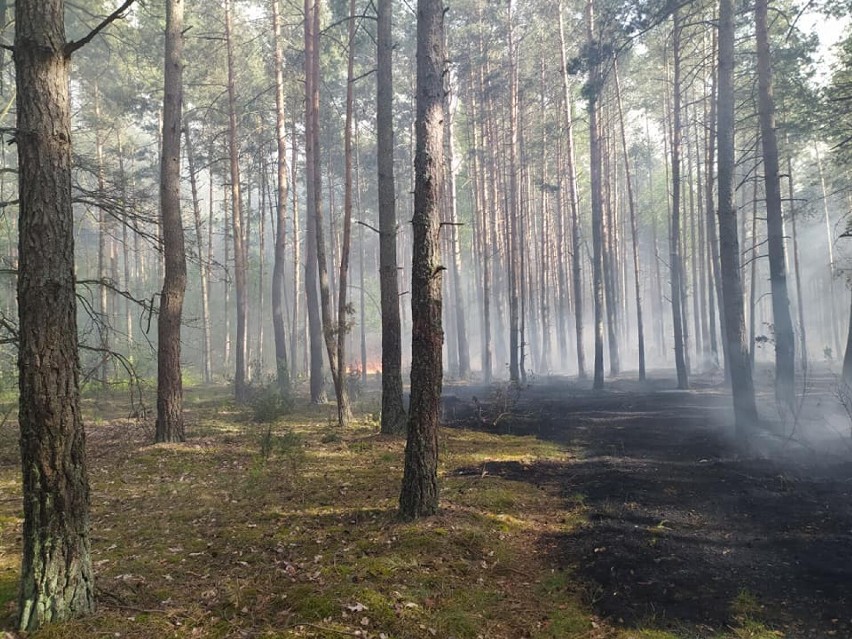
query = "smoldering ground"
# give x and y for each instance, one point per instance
(686, 530)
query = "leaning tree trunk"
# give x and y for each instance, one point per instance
(739, 362)
(785, 346)
(419, 495)
(170, 426)
(282, 368)
(393, 412)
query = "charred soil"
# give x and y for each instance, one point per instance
(685, 532)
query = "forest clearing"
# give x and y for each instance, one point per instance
(631, 515)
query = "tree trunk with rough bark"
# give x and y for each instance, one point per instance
(57, 581)
(419, 494)
(393, 412)
(785, 345)
(739, 362)
(170, 426)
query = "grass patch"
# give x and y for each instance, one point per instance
(288, 528)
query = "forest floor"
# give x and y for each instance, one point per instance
(627, 514)
(684, 530)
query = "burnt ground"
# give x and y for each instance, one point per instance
(685, 532)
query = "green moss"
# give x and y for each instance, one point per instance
(8, 594)
(307, 603)
(557, 581)
(563, 623)
(463, 614)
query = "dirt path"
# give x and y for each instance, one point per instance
(684, 533)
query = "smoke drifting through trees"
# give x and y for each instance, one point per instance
(520, 240)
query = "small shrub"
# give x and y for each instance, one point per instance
(268, 404)
(287, 445)
(331, 437)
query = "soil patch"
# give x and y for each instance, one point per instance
(684, 532)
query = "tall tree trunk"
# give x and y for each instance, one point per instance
(297, 335)
(313, 205)
(393, 413)
(128, 315)
(634, 228)
(784, 341)
(742, 385)
(712, 234)
(419, 494)
(676, 264)
(344, 412)
(282, 368)
(513, 209)
(610, 257)
(170, 427)
(104, 323)
(57, 581)
(803, 341)
(226, 234)
(330, 330)
(832, 306)
(463, 350)
(240, 263)
(595, 87)
(202, 261)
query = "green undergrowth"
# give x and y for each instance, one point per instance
(289, 529)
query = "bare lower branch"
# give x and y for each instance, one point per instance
(72, 46)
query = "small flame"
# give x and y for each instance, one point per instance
(374, 367)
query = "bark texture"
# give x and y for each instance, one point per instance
(785, 345)
(419, 496)
(313, 203)
(739, 362)
(56, 569)
(170, 426)
(393, 412)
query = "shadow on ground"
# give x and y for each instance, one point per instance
(683, 532)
